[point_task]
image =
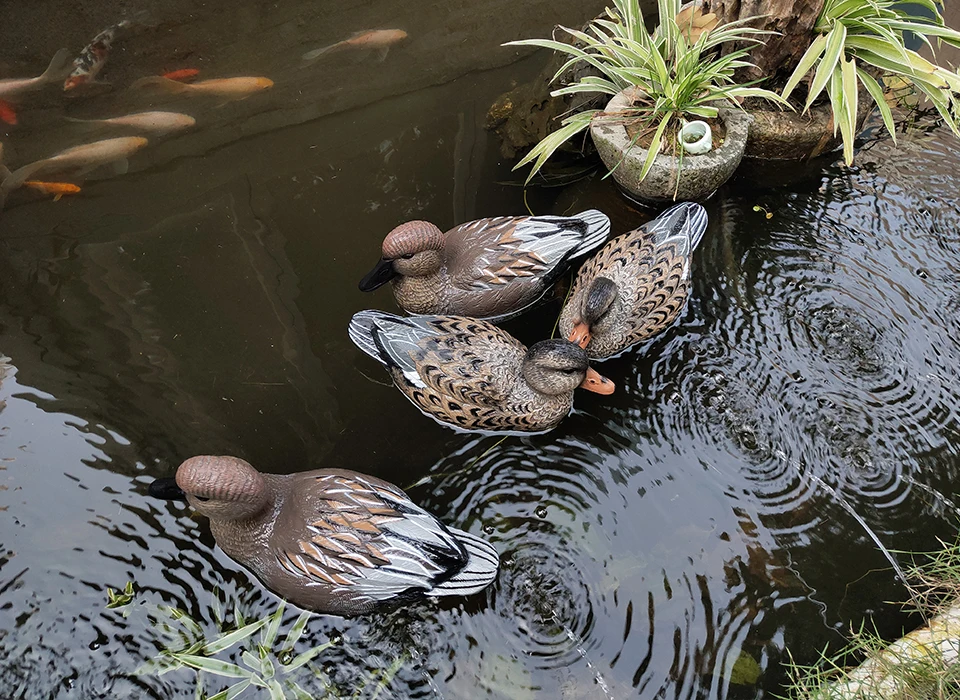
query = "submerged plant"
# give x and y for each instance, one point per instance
(268, 664)
(675, 71)
(854, 34)
(923, 664)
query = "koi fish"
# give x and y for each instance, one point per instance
(55, 71)
(230, 88)
(183, 75)
(55, 188)
(8, 115)
(381, 39)
(79, 158)
(156, 122)
(87, 66)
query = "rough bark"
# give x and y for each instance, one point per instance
(792, 19)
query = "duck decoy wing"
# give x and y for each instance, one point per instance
(681, 226)
(492, 253)
(452, 357)
(369, 538)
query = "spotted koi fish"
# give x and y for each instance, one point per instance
(87, 66)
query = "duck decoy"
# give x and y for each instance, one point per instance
(636, 285)
(331, 540)
(472, 376)
(489, 268)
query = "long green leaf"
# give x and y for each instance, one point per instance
(226, 641)
(876, 92)
(214, 666)
(231, 692)
(307, 656)
(654, 147)
(809, 58)
(848, 78)
(269, 634)
(828, 64)
(547, 147)
(296, 631)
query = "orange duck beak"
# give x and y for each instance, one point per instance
(597, 383)
(581, 335)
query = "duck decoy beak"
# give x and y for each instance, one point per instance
(597, 383)
(580, 335)
(166, 489)
(381, 273)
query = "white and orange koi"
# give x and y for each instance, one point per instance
(229, 88)
(154, 122)
(55, 71)
(380, 39)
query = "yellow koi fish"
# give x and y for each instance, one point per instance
(55, 71)
(230, 88)
(155, 122)
(79, 158)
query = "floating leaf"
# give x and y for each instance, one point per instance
(745, 670)
(214, 666)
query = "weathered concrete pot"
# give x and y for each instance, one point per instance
(699, 176)
(776, 135)
(786, 135)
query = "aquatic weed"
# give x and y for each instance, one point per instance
(268, 664)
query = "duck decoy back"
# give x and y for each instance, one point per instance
(333, 540)
(636, 285)
(473, 376)
(490, 268)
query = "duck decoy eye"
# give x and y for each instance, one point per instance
(202, 498)
(407, 256)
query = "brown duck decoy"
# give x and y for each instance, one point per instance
(472, 376)
(636, 285)
(332, 540)
(490, 268)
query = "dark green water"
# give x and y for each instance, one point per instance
(198, 304)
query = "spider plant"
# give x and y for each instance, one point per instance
(853, 34)
(675, 71)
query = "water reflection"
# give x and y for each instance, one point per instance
(660, 540)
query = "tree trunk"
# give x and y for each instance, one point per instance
(792, 19)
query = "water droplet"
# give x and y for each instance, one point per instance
(94, 646)
(922, 274)
(487, 529)
(285, 657)
(541, 512)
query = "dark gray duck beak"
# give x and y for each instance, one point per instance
(381, 273)
(166, 489)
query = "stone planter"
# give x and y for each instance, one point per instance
(699, 176)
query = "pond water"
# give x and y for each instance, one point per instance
(670, 541)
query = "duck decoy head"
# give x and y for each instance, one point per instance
(596, 304)
(226, 488)
(556, 367)
(411, 249)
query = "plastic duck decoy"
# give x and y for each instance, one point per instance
(636, 285)
(489, 268)
(331, 540)
(472, 376)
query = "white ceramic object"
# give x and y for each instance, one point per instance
(696, 137)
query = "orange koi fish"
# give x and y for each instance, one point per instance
(8, 115)
(184, 75)
(55, 71)
(55, 188)
(230, 88)
(381, 39)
